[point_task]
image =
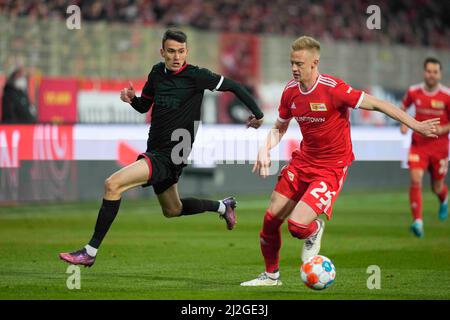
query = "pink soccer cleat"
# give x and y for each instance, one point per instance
(79, 257)
(229, 215)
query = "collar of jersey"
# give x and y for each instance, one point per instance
(176, 72)
(313, 87)
(430, 93)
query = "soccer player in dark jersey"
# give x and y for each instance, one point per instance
(175, 90)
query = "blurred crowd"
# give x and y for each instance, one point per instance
(411, 22)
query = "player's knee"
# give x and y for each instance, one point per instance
(437, 187)
(171, 212)
(111, 186)
(416, 183)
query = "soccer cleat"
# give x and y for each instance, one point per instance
(262, 280)
(311, 247)
(443, 210)
(417, 229)
(229, 215)
(79, 257)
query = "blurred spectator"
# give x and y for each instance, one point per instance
(15, 101)
(411, 22)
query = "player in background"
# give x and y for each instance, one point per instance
(313, 178)
(175, 90)
(431, 99)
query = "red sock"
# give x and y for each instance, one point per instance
(415, 200)
(270, 239)
(443, 194)
(302, 231)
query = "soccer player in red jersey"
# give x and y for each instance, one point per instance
(431, 99)
(313, 178)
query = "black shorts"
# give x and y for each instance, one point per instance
(163, 172)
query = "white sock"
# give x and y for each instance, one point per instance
(91, 250)
(274, 276)
(420, 221)
(222, 207)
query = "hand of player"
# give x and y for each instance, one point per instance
(253, 122)
(127, 93)
(261, 167)
(428, 128)
(403, 128)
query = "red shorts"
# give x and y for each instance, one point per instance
(317, 186)
(435, 161)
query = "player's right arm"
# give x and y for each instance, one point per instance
(406, 103)
(141, 104)
(274, 137)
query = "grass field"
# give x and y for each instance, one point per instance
(146, 256)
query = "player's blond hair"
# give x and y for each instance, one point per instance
(305, 42)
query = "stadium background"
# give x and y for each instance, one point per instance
(84, 132)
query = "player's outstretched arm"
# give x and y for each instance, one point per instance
(256, 119)
(427, 128)
(274, 137)
(140, 104)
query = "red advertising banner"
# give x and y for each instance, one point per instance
(34, 142)
(58, 100)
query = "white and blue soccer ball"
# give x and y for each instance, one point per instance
(318, 272)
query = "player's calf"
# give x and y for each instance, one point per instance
(270, 241)
(312, 234)
(302, 231)
(171, 212)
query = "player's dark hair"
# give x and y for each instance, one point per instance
(432, 60)
(174, 34)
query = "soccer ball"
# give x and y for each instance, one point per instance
(318, 272)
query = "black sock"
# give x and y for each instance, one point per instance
(194, 206)
(106, 216)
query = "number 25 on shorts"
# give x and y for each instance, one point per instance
(323, 195)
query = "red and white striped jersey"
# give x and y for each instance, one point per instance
(323, 116)
(429, 105)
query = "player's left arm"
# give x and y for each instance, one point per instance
(445, 129)
(427, 128)
(256, 119)
(207, 79)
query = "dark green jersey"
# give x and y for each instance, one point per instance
(177, 98)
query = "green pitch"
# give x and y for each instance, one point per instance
(147, 256)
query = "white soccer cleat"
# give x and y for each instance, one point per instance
(262, 280)
(311, 247)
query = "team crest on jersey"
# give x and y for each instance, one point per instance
(293, 106)
(437, 104)
(318, 106)
(290, 175)
(414, 157)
